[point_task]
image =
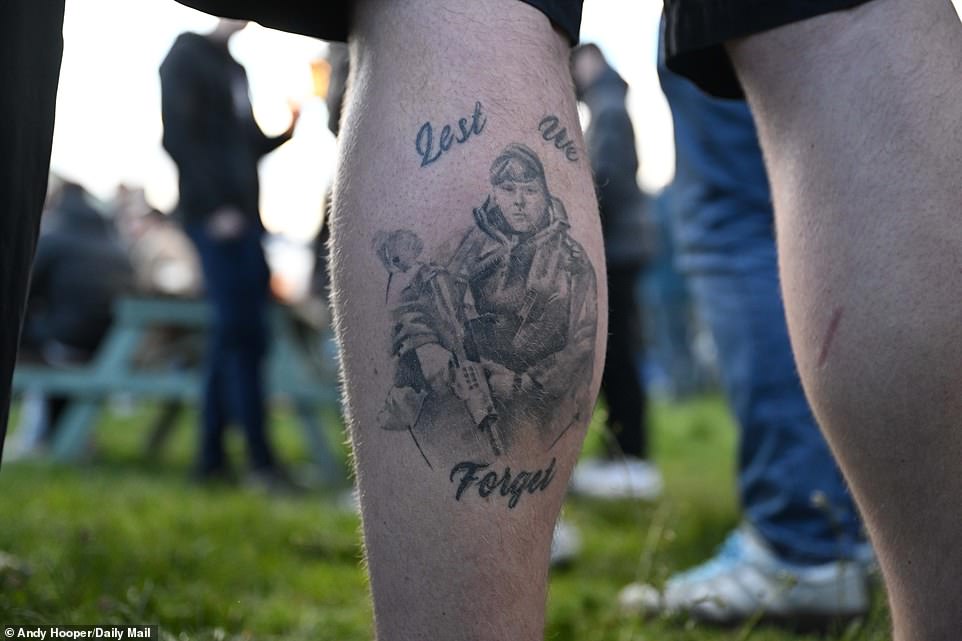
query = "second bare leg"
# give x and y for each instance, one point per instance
(860, 116)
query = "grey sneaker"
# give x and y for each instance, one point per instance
(746, 580)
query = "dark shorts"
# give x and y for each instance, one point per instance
(331, 20)
(696, 29)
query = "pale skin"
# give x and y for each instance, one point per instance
(442, 567)
(860, 118)
(862, 137)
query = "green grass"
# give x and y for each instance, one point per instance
(124, 540)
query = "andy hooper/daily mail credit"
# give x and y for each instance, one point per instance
(57, 632)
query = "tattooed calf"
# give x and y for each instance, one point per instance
(506, 485)
(493, 342)
(424, 142)
(551, 133)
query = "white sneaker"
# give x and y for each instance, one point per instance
(565, 543)
(625, 478)
(746, 580)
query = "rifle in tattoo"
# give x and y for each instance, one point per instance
(496, 338)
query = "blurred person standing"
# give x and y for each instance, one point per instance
(211, 134)
(625, 471)
(800, 552)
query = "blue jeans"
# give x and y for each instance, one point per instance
(790, 487)
(236, 279)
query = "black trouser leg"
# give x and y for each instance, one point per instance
(31, 46)
(622, 386)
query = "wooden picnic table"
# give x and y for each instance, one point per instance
(292, 376)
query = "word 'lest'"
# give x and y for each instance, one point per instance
(424, 143)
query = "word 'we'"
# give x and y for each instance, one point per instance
(552, 131)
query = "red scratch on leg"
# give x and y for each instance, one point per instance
(830, 335)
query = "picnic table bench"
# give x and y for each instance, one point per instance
(113, 371)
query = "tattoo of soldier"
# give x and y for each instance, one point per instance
(493, 339)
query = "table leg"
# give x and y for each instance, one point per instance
(73, 429)
(329, 469)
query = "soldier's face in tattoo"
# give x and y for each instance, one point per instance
(524, 205)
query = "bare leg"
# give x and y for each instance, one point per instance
(469, 300)
(860, 116)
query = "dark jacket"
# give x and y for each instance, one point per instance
(79, 271)
(610, 140)
(209, 129)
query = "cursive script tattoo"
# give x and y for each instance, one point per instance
(551, 131)
(424, 141)
(511, 487)
(493, 339)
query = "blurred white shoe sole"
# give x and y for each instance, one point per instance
(625, 478)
